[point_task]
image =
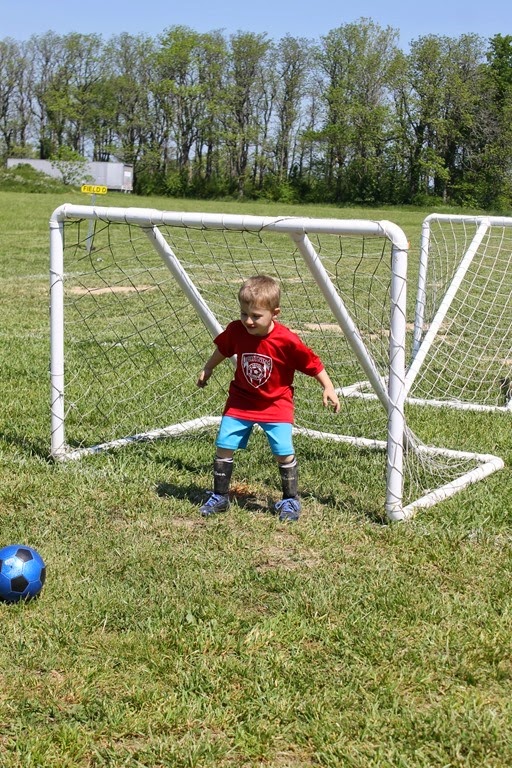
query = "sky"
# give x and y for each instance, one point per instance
(19, 19)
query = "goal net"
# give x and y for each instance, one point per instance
(138, 295)
(462, 345)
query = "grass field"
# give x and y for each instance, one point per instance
(161, 639)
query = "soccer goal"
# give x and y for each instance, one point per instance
(462, 345)
(137, 298)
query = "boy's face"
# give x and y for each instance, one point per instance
(258, 321)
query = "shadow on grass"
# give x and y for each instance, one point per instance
(352, 504)
(191, 493)
(196, 495)
(38, 448)
(258, 504)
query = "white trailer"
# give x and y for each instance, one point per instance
(115, 176)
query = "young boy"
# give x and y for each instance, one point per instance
(261, 392)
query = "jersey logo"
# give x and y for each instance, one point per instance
(256, 368)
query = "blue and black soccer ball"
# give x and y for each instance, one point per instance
(22, 573)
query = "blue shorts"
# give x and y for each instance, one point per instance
(235, 433)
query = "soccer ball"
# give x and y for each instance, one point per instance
(22, 573)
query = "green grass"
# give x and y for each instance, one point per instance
(161, 639)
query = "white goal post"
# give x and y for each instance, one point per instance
(137, 297)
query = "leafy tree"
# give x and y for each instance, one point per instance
(209, 171)
(71, 165)
(293, 67)
(13, 113)
(46, 52)
(490, 175)
(247, 54)
(179, 91)
(358, 61)
(437, 108)
(127, 119)
(78, 80)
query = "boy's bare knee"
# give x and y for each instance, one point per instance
(285, 459)
(224, 453)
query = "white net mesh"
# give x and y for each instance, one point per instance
(135, 345)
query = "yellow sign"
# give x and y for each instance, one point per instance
(93, 189)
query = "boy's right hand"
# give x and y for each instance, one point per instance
(203, 377)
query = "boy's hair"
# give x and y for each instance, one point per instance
(261, 290)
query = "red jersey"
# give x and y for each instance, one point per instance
(262, 388)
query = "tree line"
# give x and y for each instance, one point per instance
(350, 118)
